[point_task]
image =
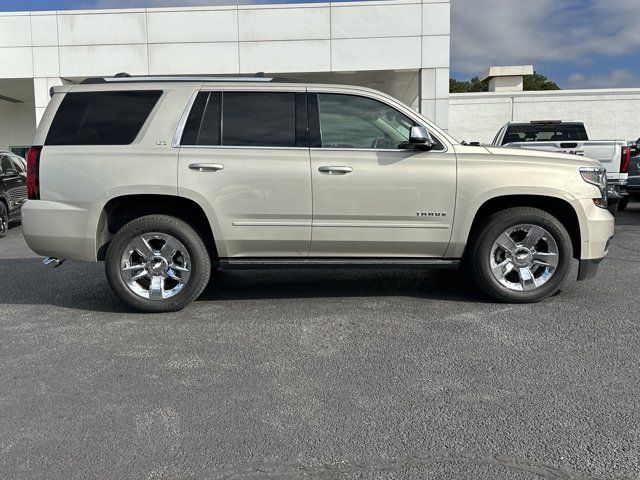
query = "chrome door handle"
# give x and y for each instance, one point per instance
(206, 167)
(335, 170)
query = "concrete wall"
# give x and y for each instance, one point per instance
(608, 114)
(17, 122)
(384, 35)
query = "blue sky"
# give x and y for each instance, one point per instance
(578, 43)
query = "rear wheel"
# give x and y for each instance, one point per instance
(624, 203)
(521, 255)
(157, 263)
(4, 220)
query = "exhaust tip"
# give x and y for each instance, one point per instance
(52, 262)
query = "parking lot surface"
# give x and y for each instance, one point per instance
(320, 374)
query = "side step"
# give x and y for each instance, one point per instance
(377, 263)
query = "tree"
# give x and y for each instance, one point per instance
(537, 81)
(532, 83)
(473, 85)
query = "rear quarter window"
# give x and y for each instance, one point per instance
(101, 118)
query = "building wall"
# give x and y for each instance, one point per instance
(386, 35)
(17, 122)
(608, 114)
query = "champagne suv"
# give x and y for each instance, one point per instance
(165, 179)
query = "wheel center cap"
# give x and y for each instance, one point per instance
(157, 266)
(523, 257)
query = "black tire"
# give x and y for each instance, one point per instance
(4, 220)
(480, 248)
(180, 230)
(624, 203)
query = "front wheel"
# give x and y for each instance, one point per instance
(157, 263)
(624, 203)
(521, 255)
(4, 220)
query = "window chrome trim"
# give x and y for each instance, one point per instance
(177, 137)
(240, 147)
(397, 150)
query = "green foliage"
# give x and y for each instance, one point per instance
(532, 83)
(537, 81)
(473, 85)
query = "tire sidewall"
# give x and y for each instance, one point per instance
(200, 262)
(493, 231)
(4, 215)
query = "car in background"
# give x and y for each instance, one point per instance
(13, 189)
(633, 187)
(572, 138)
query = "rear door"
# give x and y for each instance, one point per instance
(244, 156)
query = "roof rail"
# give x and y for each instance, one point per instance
(126, 78)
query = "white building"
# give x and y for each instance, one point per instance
(398, 46)
(612, 114)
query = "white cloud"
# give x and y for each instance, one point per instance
(514, 32)
(617, 78)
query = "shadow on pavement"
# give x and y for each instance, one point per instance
(341, 283)
(83, 286)
(631, 216)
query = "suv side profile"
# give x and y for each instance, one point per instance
(165, 179)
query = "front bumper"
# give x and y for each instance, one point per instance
(597, 230)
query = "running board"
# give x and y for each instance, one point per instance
(380, 263)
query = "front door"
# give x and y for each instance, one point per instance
(243, 156)
(373, 195)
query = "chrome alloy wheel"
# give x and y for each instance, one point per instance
(524, 257)
(155, 266)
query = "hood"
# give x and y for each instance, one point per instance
(539, 156)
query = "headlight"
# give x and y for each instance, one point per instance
(598, 177)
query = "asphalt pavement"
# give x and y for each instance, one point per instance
(320, 374)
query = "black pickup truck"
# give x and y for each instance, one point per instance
(13, 189)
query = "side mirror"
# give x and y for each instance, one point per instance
(420, 138)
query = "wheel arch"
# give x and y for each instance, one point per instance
(118, 211)
(558, 207)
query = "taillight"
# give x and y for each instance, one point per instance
(626, 160)
(33, 173)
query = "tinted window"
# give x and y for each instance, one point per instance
(203, 124)
(101, 118)
(348, 121)
(265, 119)
(192, 127)
(5, 164)
(545, 133)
